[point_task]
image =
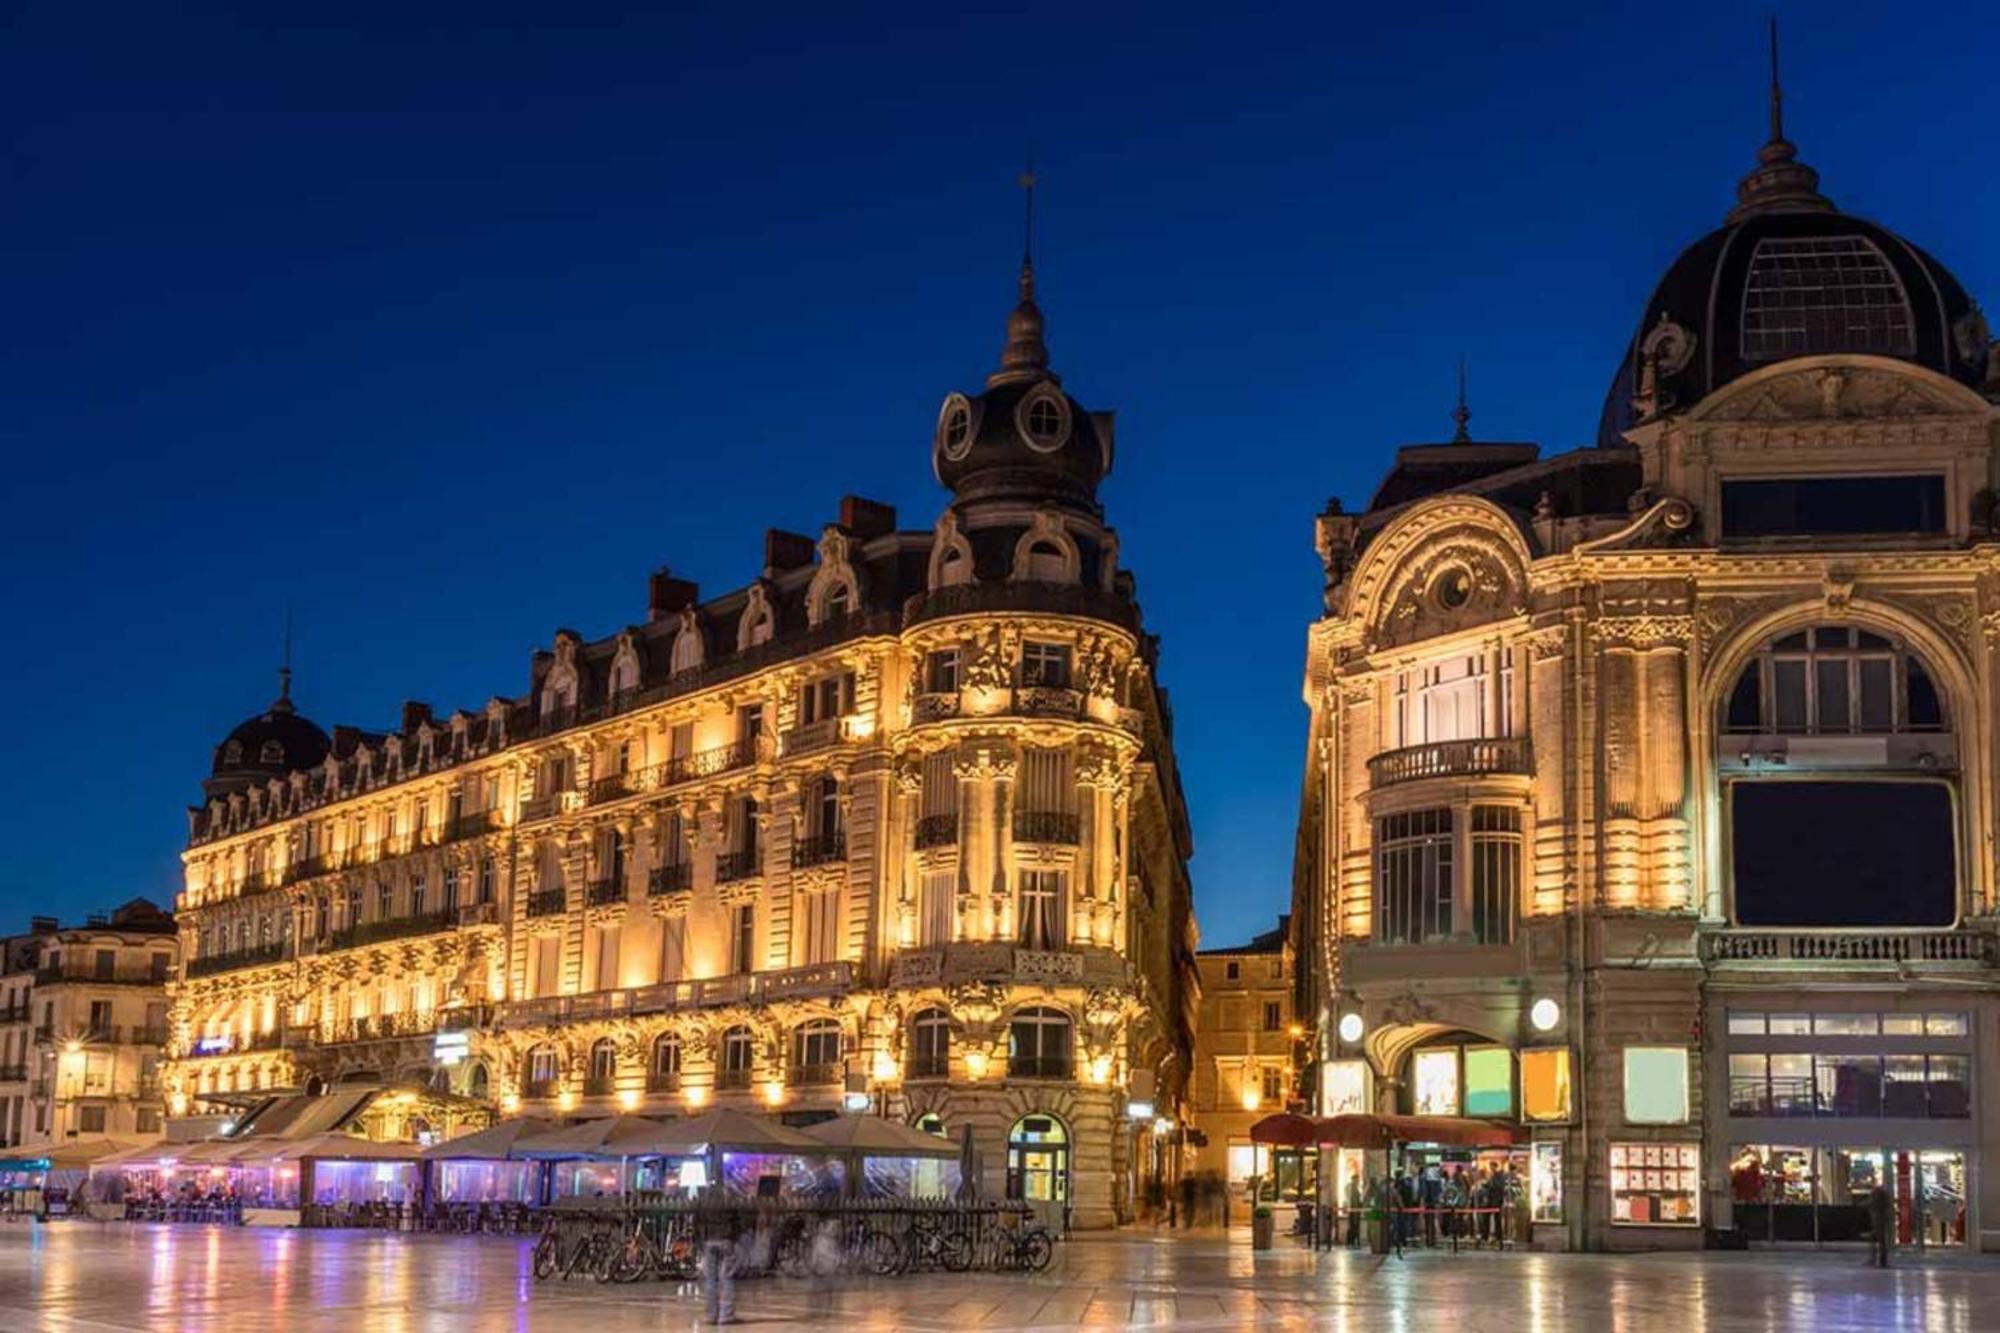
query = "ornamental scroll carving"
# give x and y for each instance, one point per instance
(1467, 577)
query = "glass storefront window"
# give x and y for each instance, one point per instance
(1435, 1075)
(1545, 1081)
(1656, 1184)
(1902, 1025)
(1745, 1025)
(1944, 1025)
(1545, 1181)
(1791, 1025)
(1950, 1087)
(1656, 1085)
(1344, 1087)
(1849, 1085)
(1846, 1025)
(1792, 1085)
(1749, 1085)
(1489, 1081)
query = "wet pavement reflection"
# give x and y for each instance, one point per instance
(96, 1277)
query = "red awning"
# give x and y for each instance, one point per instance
(1381, 1131)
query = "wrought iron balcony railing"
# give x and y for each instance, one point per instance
(257, 956)
(732, 866)
(546, 902)
(604, 892)
(1450, 759)
(937, 831)
(819, 850)
(708, 763)
(1051, 826)
(674, 877)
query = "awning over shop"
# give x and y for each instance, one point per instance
(494, 1144)
(607, 1136)
(873, 1136)
(1381, 1131)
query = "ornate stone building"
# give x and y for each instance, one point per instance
(1246, 1051)
(898, 818)
(1651, 794)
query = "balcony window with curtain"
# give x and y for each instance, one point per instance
(1042, 904)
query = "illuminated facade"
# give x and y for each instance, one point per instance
(1651, 800)
(83, 1027)
(898, 820)
(1246, 1051)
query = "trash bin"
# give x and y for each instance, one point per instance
(1263, 1225)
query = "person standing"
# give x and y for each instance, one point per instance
(1879, 1222)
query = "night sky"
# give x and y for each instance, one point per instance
(448, 327)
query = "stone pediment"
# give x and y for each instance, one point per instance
(1839, 389)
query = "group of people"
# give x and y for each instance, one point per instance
(1451, 1202)
(1198, 1198)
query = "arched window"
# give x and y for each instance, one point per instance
(954, 566)
(1046, 563)
(665, 1075)
(603, 1065)
(624, 675)
(930, 1044)
(1038, 1044)
(1038, 1160)
(687, 649)
(839, 601)
(739, 1056)
(544, 1067)
(477, 1081)
(1834, 680)
(816, 1051)
(930, 1122)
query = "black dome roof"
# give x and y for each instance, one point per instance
(1024, 437)
(277, 741)
(1788, 275)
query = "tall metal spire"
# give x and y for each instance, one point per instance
(1461, 415)
(1779, 183)
(284, 701)
(1025, 356)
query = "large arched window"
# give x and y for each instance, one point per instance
(477, 1081)
(739, 1056)
(1834, 681)
(930, 1044)
(1038, 1044)
(603, 1066)
(1839, 776)
(816, 1051)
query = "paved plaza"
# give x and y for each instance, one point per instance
(100, 1278)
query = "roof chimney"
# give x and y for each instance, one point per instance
(867, 518)
(786, 550)
(667, 595)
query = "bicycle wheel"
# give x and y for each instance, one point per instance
(1036, 1250)
(880, 1254)
(545, 1256)
(954, 1251)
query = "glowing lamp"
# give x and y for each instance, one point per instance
(774, 1092)
(975, 1064)
(628, 1099)
(510, 1102)
(566, 1100)
(695, 1097)
(1100, 1069)
(1544, 1014)
(1252, 1099)
(1352, 1027)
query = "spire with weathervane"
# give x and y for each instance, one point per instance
(283, 703)
(1780, 183)
(1026, 356)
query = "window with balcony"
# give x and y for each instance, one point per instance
(743, 938)
(816, 1056)
(1039, 1044)
(544, 1067)
(1462, 697)
(930, 1044)
(935, 894)
(941, 672)
(739, 1057)
(665, 1074)
(827, 699)
(1045, 797)
(673, 948)
(603, 1068)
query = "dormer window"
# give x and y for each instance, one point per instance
(271, 753)
(1044, 421)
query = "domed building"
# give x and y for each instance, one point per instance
(897, 820)
(1652, 804)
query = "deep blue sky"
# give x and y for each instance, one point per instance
(449, 327)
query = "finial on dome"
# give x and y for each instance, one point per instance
(1461, 415)
(1026, 356)
(283, 703)
(1779, 183)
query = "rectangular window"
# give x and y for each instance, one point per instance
(1849, 1085)
(1656, 1085)
(1274, 1084)
(1950, 1094)
(1413, 877)
(1810, 853)
(1656, 1184)
(1545, 1084)
(941, 672)
(1489, 1081)
(1846, 1025)
(1793, 1091)
(148, 1121)
(821, 909)
(1496, 872)
(1042, 909)
(743, 939)
(1749, 1085)
(1233, 970)
(607, 957)
(1944, 1025)
(107, 964)
(1045, 664)
(1435, 1081)
(1545, 1182)
(1745, 1025)
(1274, 1016)
(90, 1119)
(673, 948)
(934, 907)
(1832, 506)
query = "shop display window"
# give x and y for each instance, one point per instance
(1656, 1085)
(1545, 1084)
(1656, 1184)
(1545, 1181)
(1344, 1087)
(1436, 1082)
(1489, 1081)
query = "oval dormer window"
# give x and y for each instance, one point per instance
(954, 435)
(1044, 424)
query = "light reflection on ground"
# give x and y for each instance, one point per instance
(102, 1278)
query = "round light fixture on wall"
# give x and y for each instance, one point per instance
(1351, 1028)
(1544, 1014)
